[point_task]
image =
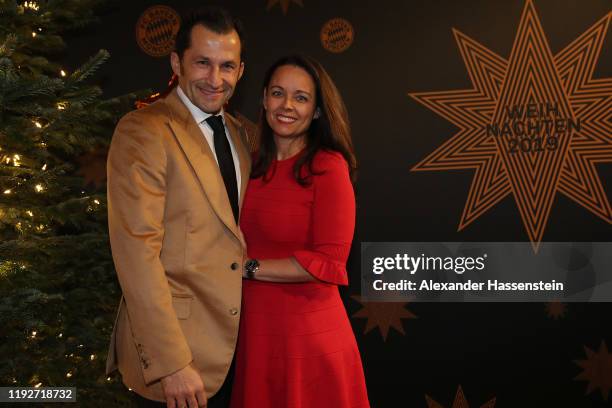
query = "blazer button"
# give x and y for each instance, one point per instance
(233, 311)
(234, 266)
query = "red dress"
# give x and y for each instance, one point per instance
(296, 347)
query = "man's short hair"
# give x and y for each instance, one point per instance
(216, 19)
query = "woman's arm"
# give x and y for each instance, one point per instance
(332, 225)
(282, 270)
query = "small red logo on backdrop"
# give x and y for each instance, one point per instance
(156, 30)
(337, 35)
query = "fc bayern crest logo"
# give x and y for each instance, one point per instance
(156, 30)
(337, 35)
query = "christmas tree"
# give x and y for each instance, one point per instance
(58, 290)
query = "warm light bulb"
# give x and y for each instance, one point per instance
(38, 385)
(33, 34)
(97, 202)
(37, 124)
(44, 167)
(63, 73)
(92, 357)
(39, 188)
(30, 213)
(34, 333)
(8, 191)
(31, 5)
(68, 374)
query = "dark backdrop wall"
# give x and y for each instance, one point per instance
(524, 355)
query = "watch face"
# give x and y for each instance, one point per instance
(252, 264)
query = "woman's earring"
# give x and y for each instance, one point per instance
(317, 113)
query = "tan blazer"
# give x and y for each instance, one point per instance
(177, 249)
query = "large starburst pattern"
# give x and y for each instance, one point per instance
(532, 126)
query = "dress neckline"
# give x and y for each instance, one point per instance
(292, 157)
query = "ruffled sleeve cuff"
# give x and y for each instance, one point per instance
(322, 268)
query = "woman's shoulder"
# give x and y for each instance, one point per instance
(324, 160)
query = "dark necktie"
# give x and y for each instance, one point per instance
(226, 161)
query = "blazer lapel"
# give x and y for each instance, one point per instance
(202, 160)
(244, 157)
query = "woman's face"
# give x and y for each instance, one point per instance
(289, 102)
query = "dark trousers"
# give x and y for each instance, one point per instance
(220, 400)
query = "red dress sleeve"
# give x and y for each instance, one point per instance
(333, 220)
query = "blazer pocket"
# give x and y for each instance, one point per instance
(182, 305)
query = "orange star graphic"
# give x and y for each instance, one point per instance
(532, 126)
(556, 310)
(284, 4)
(597, 370)
(93, 167)
(460, 401)
(383, 315)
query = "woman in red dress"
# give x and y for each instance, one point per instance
(296, 347)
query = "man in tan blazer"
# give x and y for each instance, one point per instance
(177, 174)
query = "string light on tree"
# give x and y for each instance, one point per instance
(32, 5)
(56, 115)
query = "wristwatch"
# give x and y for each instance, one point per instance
(251, 267)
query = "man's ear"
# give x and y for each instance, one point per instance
(241, 70)
(175, 63)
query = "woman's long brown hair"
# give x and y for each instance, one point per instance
(330, 131)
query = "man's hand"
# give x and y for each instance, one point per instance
(184, 389)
